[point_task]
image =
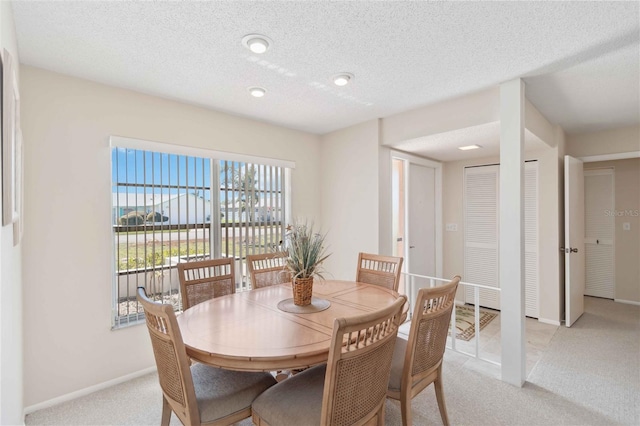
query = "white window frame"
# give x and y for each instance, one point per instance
(215, 157)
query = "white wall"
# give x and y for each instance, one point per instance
(350, 194)
(624, 139)
(477, 108)
(11, 347)
(453, 212)
(67, 122)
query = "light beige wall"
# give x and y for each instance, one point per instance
(11, 339)
(477, 108)
(537, 124)
(350, 195)
(385, 191)
(67, 122)
(627, 210)
(624, 139)
(453, 212)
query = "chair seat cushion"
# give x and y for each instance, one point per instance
(397, 364)
(294, 401)
(223, 392)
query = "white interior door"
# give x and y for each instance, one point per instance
(573, 239)
(599, 233)
(422, 220)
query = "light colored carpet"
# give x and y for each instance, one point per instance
(589, 375)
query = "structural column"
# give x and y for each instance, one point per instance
(512, 278)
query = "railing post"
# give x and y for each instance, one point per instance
(476, 301)
(411, 297)
(410, 292)
(453, 327)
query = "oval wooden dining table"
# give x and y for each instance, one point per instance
(247, 331)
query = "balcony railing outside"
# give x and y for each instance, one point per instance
(149, 257)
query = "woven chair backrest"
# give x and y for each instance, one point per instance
(203, 280)
(359, 365)
(429, 330)
(268, 269)
(380, 270)
(171, 358)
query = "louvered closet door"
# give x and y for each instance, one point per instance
(531, 289)
(481, 261)
(481, 233)
(598, 233)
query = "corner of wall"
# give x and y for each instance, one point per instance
(385, 238)
(350, 194)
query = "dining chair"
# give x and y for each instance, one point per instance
(350, 388)
(417, 362)
(202, 280)
(268, 269)
(379, 270)
(197, 394)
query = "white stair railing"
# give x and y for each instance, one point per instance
(413, 282)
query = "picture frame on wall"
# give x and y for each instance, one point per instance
(11, 147)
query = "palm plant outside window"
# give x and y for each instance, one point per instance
(171, 208)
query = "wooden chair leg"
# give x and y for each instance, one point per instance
(440, 398)
(166, 412)
(405, 409)
(381, 413)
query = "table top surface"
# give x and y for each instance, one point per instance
(246, 330)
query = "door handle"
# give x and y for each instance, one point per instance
(568, 250)
(412, 246)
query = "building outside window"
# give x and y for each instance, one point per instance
(169, 208)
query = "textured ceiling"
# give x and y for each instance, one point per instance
(580, 60)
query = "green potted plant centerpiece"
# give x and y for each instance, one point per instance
(306, 252)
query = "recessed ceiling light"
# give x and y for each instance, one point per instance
(468, 147)
(342, 79)
(256, 43)
(257, 92)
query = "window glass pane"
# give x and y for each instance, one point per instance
(164, 213)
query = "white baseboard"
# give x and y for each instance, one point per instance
(86, 391)
(628, 302)
(548, 321)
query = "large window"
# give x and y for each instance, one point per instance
(171, 208)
